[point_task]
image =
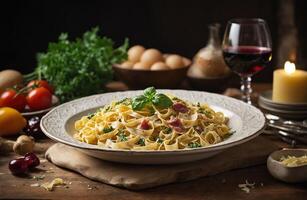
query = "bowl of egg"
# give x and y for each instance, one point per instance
(149, 67)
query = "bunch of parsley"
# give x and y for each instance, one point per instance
(81, 67)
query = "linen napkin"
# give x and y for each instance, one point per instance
(136, 177)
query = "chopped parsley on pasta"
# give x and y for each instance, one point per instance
(153, 121)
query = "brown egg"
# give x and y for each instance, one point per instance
(165, 55)
(151, 56)
(186, 61)
(127, 64)
(159, 66)
(141, 66)
(174, 61)
(135, 53)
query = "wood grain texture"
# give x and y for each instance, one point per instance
(218, 187)
(222, 186)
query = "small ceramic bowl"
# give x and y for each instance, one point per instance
(140, 79)
(217, 84)
(284, 173)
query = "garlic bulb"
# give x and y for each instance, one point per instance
(209, 61)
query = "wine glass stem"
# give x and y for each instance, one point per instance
(246, 89)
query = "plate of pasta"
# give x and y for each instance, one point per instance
(153, 126)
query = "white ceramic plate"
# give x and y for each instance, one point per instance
(245, 119)
(286, 114)
(266, 98)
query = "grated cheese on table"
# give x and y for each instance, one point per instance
(35, 185)
(246, 187)
(49, 186)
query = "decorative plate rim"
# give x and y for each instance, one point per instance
(85, 146)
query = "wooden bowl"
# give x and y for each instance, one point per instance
(140, 79)
(217, 84)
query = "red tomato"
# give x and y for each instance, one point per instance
(39, 98)
(41, 83)
(10, 98)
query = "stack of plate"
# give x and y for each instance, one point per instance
(287, 111)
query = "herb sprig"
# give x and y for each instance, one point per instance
(125, 101)
(151, 97)
(122, 137)
(107, 129)
(194, 145)
(202, 110)
(166, 129)
(159, 140)
(141, 142)
(90, 116)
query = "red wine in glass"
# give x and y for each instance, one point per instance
(247, 49)
(247, 60)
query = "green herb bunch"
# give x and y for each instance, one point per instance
(81, 67)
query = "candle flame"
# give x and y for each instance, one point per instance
(289, 67)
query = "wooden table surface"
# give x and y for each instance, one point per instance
(222, 186)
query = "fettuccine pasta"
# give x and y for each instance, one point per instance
(178, 125)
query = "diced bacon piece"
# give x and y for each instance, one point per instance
(145, 125)
(180, 107)
(179, 129)
(176, 124)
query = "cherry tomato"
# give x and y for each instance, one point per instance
(41, 83)
(10, 98)
(39, 98)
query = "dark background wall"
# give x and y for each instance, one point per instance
(169, 25)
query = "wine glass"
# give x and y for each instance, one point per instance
(247, 49)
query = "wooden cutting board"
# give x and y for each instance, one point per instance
(136, 177)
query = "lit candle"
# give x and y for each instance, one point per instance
(289, 85)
